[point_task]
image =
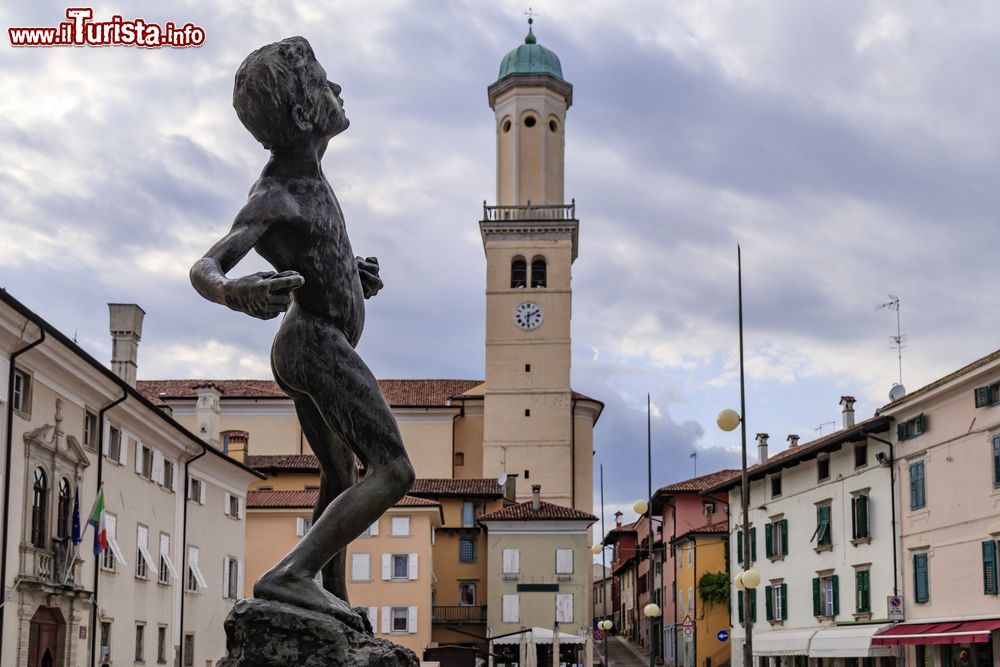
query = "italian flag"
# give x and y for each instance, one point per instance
(96, 520)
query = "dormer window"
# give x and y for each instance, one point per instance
(518, 273)
(538, 272)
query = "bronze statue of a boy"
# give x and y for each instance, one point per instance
(292, 219)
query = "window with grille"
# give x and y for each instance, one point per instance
(467, 549)
(39, 504)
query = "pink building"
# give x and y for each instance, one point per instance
(946, 460)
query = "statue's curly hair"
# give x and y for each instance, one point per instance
(269, 83)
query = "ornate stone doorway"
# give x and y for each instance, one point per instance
(44, 638)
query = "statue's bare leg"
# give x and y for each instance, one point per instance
(338, 472)
(314, 358)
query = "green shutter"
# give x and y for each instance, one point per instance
(739, 606)
(783, 592)
(919, 425)
(768, 540)
(739, 547)
(836, 595)
(982, 396)
(902, 431)
(823, 529)
(753, 544)
(996, 462)
(753, 605)
(769, 602)
(918, 496)
(920, 583)
(816, 609)
(863, 591)
(863, 528)
(783, 525)
(854, 518)
(990, 567)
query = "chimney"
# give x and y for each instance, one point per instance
(126, 331)
(207, 413)
(536, 497)
(618, 519)
(848, 403)
(793, 440)
(761, 447)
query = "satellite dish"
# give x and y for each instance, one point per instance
(502, 479)
(897, 392)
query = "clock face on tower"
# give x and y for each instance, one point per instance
(528, 315)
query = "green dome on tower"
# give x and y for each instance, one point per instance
(530, 58)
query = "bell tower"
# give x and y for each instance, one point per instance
(530, 238)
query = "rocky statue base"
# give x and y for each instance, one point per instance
(261, 633)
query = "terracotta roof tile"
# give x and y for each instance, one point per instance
(457, 487)
(270, 499)
(399, 393)
(548, 512)
(698, 484)
(300, 462)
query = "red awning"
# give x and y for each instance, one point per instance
(952, 632)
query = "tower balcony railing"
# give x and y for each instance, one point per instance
(458, 615)
(529, 211)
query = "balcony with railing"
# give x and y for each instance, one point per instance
(530, 213)
(459, 615)
(50, 566)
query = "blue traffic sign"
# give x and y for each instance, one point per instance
(723, 635)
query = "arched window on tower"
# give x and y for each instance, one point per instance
(518, 272)
(538, 272)
(38, 505)
(65, 508)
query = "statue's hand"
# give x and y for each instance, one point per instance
(368, 270)
(263, 295)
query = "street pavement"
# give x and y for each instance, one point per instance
(620, 654)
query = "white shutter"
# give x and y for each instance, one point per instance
(138, 455)
(173, 483)
(243, 507)
(225, 577)
(564, 607)
(413, 566)
(225, 505)
(239, 579)
(107, 438)
(373, 618)
(411, 620)
(386, 567)
(386, 620)
(201, 492)
(360, 567)
(511, 561)
(400, 526)
(511, 609)
(373, 531)
(158, 467)
(564, 561)
(300, 526)
(123, 447)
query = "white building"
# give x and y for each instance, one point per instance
(70, 426)
(822, 538)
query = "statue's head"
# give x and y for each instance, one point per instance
(282, 95)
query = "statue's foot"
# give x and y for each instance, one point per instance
(305, 592)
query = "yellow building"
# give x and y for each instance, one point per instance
(700, 552)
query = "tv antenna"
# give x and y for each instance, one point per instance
(819, 428)
(897, 342)
(694, 455)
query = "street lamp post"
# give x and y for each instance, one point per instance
(651, 610)
(727, 421)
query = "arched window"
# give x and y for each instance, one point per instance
(38, 504)
(65, 508)
(538, 277)
(518, 272)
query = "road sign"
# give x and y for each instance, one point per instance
(688, 634)
(723, 635)
(688, 622)
(895, 604)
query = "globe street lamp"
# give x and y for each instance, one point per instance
(728, 420)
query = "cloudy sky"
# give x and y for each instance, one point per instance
(849, 147)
